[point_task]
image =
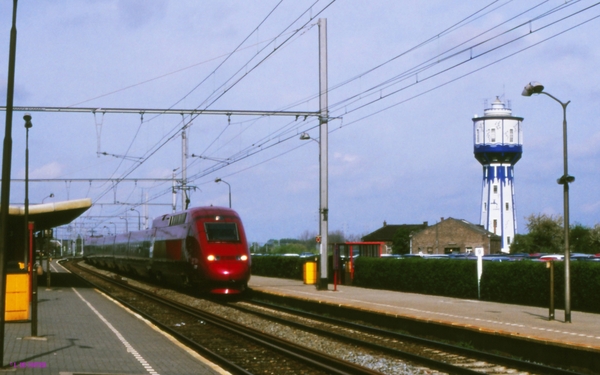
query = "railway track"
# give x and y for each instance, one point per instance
(458, 358)
(359, 349)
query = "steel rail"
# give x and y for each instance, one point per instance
(497, 359)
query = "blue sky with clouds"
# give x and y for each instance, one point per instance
(405, 79)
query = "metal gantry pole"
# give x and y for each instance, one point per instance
(184, 157)
(323, 159)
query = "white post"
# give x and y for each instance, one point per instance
(479, 253)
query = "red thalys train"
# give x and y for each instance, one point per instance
(204, 247)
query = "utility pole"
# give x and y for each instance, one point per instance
(6, 166)
(184, 157)
(323, 160)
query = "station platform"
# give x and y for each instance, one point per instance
(515, 321)
(82, 331)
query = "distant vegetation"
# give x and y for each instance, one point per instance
(546, 235)
(306, 242)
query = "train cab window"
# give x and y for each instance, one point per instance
(226, 232)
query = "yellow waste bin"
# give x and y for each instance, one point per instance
(310, 273)
(17, 297)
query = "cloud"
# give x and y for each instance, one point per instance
(50, 170)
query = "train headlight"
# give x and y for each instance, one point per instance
(243, 258)
(211, 258)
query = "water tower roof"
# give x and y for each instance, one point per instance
(498, 109)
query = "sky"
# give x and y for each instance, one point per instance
(405, 79)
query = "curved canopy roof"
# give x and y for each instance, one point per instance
(49, 215)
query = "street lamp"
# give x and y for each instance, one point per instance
(139, 225)
(28, 229)
(323, 211)
(564, 180)
(219, 180)
(49, 196)
(28, 126)
(126, 222)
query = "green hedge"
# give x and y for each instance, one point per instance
(523, 283)
(433, 276)
(278, 266)
(528, 283)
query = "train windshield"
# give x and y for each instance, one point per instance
(222, 232)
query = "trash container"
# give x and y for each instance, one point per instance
(310, 273)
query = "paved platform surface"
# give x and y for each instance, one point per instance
(81, 331)
(529, 323)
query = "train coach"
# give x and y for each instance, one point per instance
(202, 247)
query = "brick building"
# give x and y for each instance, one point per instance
(454, 236)
(387, 231)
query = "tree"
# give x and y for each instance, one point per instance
(580, 240)
(401, 240)
(595, 239)
(521, 244)
(547, 234)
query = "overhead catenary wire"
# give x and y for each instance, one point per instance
(422, 79)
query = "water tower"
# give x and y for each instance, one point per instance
(498, 140)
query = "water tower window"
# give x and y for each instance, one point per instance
(495, 189)
(493, 135)
(506, 206)
(508, 240)
(510, 135)
(477, 140)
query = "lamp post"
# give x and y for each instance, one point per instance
(564, 180)
(49, 196)
(115, 227)
(28, 230)
(28, 126)
(220, 180)
(126, 222)
(139, 216)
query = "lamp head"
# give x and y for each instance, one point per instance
(217, 180)
(532, 88)
(304, 136)
(27, 119)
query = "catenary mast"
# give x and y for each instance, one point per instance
(498, 145)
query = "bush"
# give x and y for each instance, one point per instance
(278, 266)
(432, 276)
(523, 283)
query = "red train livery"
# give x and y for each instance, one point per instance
(204, 247)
